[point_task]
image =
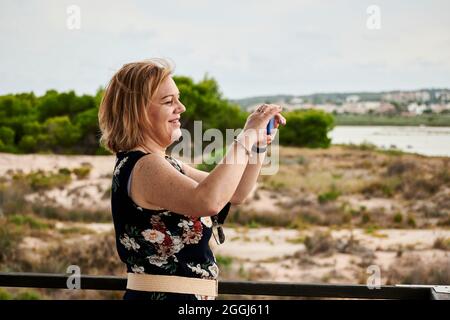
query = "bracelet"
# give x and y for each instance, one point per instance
(246, 150)
(257, 149)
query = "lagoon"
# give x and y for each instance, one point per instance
(429, 141)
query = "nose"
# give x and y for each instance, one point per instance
(181, 107)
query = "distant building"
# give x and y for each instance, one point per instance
(385, 107)
(407, 96)
(326, 107)
(352, 99)
(439, 107)
(416, 108)
(296, 100)
(443, 96)
(361, 107)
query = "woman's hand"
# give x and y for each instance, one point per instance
(257, 121)
(279, 119)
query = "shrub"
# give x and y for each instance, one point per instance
(40, 180)
(383, 187)
(398, 217)
(29, 221)
(411, 222)
(213, 159)
(9, 239)
(82, 172)
(307, 128)
(412, 269)
(363, 146)
(224, 261)
(365, 218)
(319, 242)
(7, 135)
(442, 243)
(12, 197)
(5, 295)
(253, 224)
(28, 144)
(399, 167)
(96, 256)
(65, 171)
(331, 195)
(28, 295)
(79, 215)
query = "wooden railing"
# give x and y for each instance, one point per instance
(59, 281)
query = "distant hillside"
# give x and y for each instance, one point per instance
(336, 98)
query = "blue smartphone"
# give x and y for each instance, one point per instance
(270, 125)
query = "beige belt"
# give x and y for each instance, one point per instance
(177, 284)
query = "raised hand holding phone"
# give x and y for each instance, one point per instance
(274, 123)
(270, 126)
(262, 121)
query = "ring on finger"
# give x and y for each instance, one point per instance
(262, 108)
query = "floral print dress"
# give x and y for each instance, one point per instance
(159, 241)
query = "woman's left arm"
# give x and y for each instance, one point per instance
(246, 184)
(251, 172)
(248, 179)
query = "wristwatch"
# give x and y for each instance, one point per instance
(257, 149)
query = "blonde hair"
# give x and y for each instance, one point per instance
(122, 115)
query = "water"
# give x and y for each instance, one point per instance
(429, 141)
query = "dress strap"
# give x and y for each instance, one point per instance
(176, 163)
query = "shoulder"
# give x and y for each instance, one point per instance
(155, 164)
(150, 160)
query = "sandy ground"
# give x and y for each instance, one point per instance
(102, 165)
(262, 253)
(272, 254)
(269, 254)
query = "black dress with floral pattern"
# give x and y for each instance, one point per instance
(159, 241)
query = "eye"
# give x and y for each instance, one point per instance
(168, 102)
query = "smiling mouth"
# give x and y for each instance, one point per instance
(176, 121)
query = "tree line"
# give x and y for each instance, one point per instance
(67, 123)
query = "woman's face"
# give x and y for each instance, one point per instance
(165, 108)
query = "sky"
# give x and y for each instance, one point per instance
(251, 48)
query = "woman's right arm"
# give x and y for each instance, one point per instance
(157, 182)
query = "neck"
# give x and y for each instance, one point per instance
(152, 147)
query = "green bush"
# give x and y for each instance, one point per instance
(28, 295)
(307, 128)
(61, 132)
(398, 217)
(33, 223)
(224, 261)
(7, 135)
(28, 144)
(331, 195)
(63, 122)
(9, 239)
(82, 172)
(213, 159)
(40, 180)
(5, 295)
(365, 218)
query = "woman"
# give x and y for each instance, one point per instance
(161, 207)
